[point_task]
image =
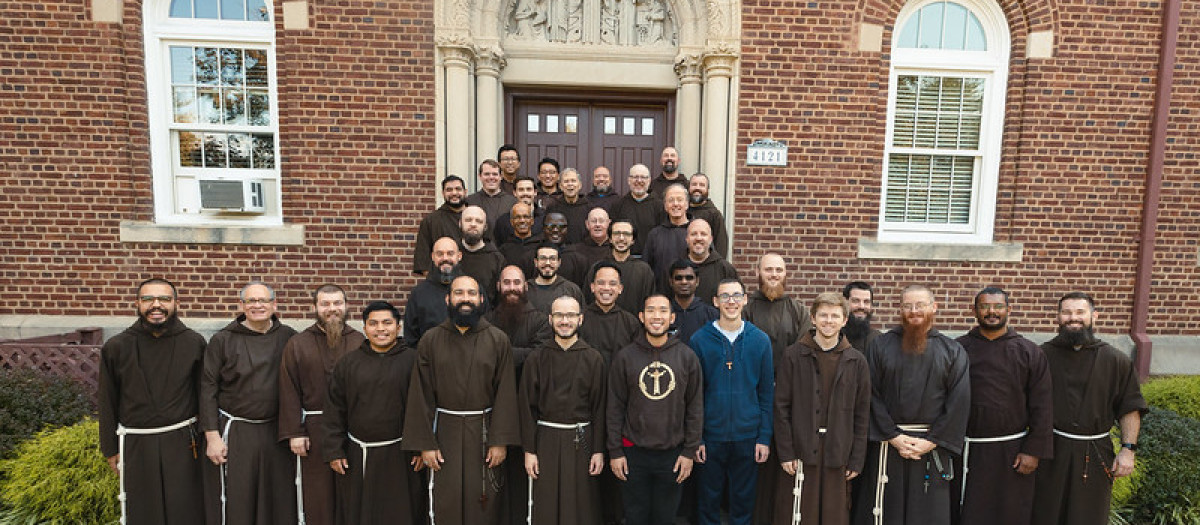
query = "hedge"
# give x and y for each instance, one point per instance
(31, 400)
(59, 477)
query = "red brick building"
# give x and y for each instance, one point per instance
(1038, 145)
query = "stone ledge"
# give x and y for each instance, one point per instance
(997, 252)
(286, 235)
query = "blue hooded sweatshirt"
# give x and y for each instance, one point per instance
(739, 384)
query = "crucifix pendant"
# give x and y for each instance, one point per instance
(729, 365)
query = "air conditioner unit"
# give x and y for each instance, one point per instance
(245, 196)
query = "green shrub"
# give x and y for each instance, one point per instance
(1179, 394)
(1167, 491)
(60, 477)
(31, 399)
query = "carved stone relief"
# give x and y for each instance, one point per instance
(607, 22)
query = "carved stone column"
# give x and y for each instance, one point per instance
(687, 135)
(489, 61)
(718, 70)
(456, 60)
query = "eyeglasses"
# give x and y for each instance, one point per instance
(564, 316)
(149, 299)
(257, 300)
(914, 307)
(731, 297)
(684, 277)
(639, 177)
(622, 234)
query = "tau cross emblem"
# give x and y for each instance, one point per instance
(655, 372)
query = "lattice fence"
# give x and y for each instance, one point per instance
(81, 363)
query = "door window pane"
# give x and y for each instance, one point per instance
(533, 123)
(647, 126)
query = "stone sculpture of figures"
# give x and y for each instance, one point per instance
(610, 21)
(651, 17)
(530, 18)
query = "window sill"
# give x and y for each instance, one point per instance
(287, 235)
(995, 252)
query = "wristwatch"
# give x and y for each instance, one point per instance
(1131, 446)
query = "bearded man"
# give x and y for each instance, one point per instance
(603, 194)
(920, 402)
(308, 359)
(480, 258)
(669, 161)
(862, 307)
(441, 222)
(148, 408)
(527, 329)
(1094, 386)
(427, 300)
(701, 207)
(462, 410)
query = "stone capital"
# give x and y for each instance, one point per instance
(719, 64)
(489, 60)
(687, 67)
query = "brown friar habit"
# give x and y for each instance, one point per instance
(493, 207)
(590, 253)
(710, 273)
(659, 185)
(665, 244)
(146, 382)
(814, 390)
(709, 212)
(784, 320)
(307, 362)
(484, 266)
(865, 341)
(521, 252)
(929, 389)
(644, 215)
(1010, 392)
(367, 393)
(564, 387)
(463, 372)
(576, 214)
(442, 222)
(241, 379)
(542, 296)
(1093, 387)
(637, 283)
(608, 332)
(529, 330)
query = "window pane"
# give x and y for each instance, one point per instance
(206, 65)
(264, 151)
(190, 154)
(239, 150)
(257, 11)
(181, 8)
(260, 109)
(257, 74)
(235, 107)
(206, 9)
(231, 67)
(933, 189)
(184, 102)
(208, 106)
(938, 112)
(214, 150)
(943, 25)
(955, 36)
(976, 38)
(233, 10)
(182, 65)
(930, 36)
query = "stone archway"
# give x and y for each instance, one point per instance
(689, 47)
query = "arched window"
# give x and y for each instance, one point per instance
(213, 111)
(945, 122)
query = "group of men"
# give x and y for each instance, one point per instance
(577, 376)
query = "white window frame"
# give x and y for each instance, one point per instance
(160, 33)
(991, 65)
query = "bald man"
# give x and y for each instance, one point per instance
(426, 306)
(480, 258)
(639, 207)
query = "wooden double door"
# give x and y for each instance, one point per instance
(583, 131)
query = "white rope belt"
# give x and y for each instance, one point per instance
(367, 445)
(230, 418)
(962, 494)
(459, 413)
(563, 426)
(1080, 437)
(122, 431)
(883, 477)
(299, 479)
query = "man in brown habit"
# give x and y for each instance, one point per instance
(308, 360)
(1009, 430)
(606, 326)
(148, 377)
(1094, 386)
(562, 399)
(462, 410)
(377, 480)
(527, 329)
(239, 400)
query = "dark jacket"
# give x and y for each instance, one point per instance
(739, 384)
(716, 221)
(798, 406)
(426, 307)
(442, 222)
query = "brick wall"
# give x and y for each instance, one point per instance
(1071, 184)
(357, 137)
